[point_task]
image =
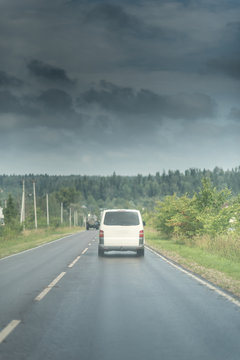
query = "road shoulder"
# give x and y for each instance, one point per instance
(218, 278)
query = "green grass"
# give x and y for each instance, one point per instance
(191, 255)
(32, 238)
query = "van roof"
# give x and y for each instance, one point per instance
(121, 210)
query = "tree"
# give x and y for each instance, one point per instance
(68, 195)
(207, 212)
(209, 197)
(10, 212)
(177, 216)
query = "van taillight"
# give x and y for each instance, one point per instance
(101, 237)
(141, 237)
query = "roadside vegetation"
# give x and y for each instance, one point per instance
(16, 237)
(12, 242)
(201, 232)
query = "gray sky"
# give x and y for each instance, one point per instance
(93, 87)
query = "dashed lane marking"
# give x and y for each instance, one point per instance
(84, 251)
(49, 287)
(74, 262)
(8, 329)
(201, 281)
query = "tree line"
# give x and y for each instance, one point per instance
(115, 186)
(85, 194)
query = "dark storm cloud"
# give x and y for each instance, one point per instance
(227, 52)
(56, 100)
(234, 27)
(52, 108)
(142, 44)
(7, 80)
(48, 72)
(213, 5)
(229, 67)
(10, 103)
(120, 22)
(126, 100)
(113, 15)
(154, 100)
(56, 111)
(49, 101)
(235, 114)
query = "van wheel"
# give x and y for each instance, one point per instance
(140, 252)
(100, 252)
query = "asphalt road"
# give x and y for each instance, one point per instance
(114, 307)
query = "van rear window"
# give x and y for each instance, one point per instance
(121, 218)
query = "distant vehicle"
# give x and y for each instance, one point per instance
(92, 222)
(121, 230)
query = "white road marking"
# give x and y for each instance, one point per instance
(8, 329)
(89, 244)
(201, 281)
(74, 262)
(49, 287)
(85, 250)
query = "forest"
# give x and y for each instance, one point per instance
(90, 194)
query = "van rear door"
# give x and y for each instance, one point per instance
(121, 228)
(121, 235)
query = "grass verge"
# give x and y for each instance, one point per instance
(31, 238)
(221, 271)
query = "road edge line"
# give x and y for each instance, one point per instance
(39, 246)
(197, 278)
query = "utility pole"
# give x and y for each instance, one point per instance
(70, 218)
(35, 204)
(47, 210)
(61, 213)
(75, 218)
(22, 217)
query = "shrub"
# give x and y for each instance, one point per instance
(205, 213)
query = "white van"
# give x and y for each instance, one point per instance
(121, 230)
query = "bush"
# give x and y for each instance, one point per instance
(10, 212)
(10, 230)
(206, 212)
(177, 216)
(164, 212)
